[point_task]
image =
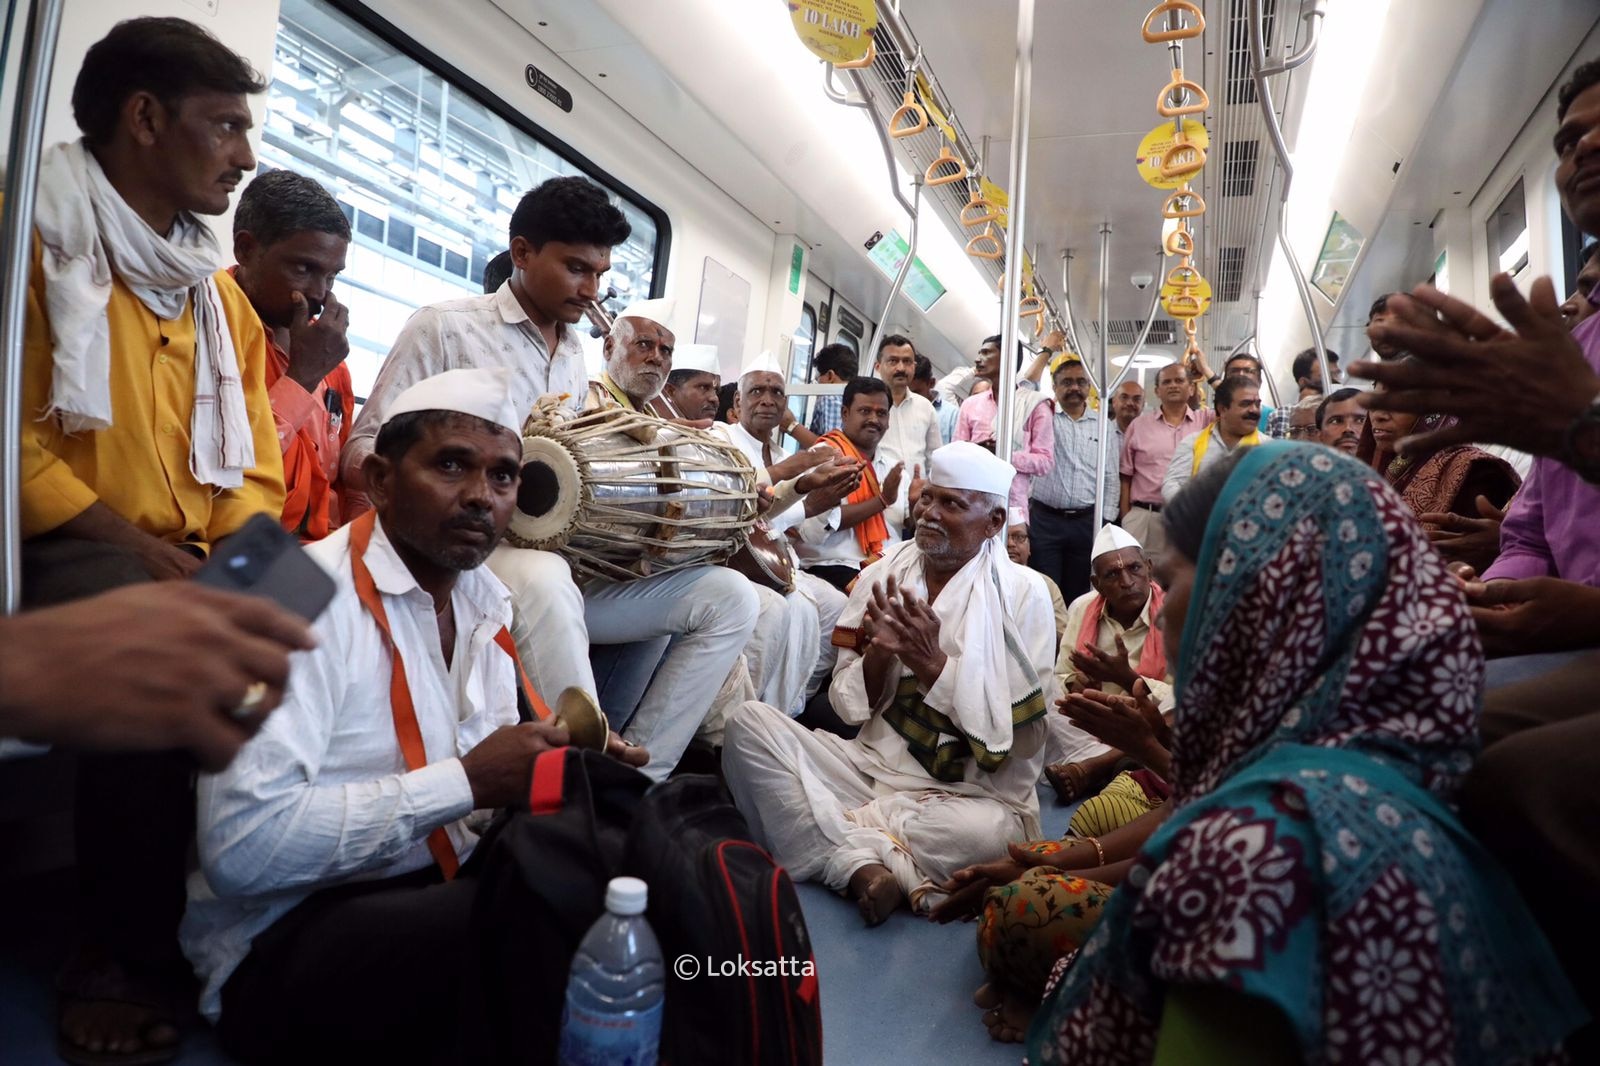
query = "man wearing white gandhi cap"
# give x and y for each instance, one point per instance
(638, 356)
(690, 394)
(339, 827)
(940, 775)
(1111, 642)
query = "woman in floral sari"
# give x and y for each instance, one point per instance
(1310, 897)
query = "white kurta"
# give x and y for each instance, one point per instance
(321, 795)
(827, 806)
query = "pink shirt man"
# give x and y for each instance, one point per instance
(1033, 455)
(1147, 449)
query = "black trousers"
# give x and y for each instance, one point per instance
(1061, 544)
(837, 576)
(367, 972)
(133, 812)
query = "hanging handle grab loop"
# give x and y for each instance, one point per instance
(1184, 159)
(1182, 33)
(1197, 100)
(945, 159)
(979, 211)
(1183, 305)
(909, 119)
(985, 245)
(858, 64)
(1030, 305)
(1180, 243)
(1174, 208)
(1184, 276)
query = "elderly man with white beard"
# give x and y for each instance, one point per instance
(946, 663)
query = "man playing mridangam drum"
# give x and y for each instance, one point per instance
(561, 238)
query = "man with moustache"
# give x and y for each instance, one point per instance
(837, 545)
(1238, 414)
(1147, 450)
(1341, 418)
(1061, 522)
(912, 433)
(289, 243)
(690, 393)
(330, 848)
(790, 653)
(637, 357)
(146, 438)
(561, 238)
(945, 664)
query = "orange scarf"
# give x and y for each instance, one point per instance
(1153, 657)
(873, 532)
(406, 729)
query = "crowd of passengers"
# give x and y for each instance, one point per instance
(1303, 834)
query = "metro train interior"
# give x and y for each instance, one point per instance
(1140, 188)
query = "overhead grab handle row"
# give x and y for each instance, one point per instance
(1191, 94)
(1193, 29)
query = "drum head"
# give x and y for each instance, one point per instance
(548, 498)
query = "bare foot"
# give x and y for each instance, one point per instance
(876, 892)
(105, 1015)
(1008, 1023)
(987, 996)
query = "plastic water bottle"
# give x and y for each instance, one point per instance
(617, 987)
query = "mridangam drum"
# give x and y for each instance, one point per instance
(624, 495)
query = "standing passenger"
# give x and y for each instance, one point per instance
(1032, 439)
(912, 434)
(1061, 526)
(1238, 415)
(1147, 451)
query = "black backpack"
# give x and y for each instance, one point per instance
(714, 895)
(718, 900)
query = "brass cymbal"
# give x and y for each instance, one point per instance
(583, 719)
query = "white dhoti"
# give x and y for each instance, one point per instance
(825, 808)
(1066, 742)
(709, 612)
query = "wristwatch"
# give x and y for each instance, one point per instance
(1581, 446)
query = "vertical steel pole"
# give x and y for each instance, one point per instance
(16, 233)
(1011, 297)
(1105, 375)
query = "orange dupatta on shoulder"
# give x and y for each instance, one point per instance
(873, 533)
(406, 729)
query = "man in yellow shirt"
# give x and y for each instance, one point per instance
(152, 438)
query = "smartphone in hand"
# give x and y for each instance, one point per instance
(263, 560)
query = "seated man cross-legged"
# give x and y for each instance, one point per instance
(941, 774)
(326, 921)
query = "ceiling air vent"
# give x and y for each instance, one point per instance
(1239, 167)
(1241, 90)
(1230, 275)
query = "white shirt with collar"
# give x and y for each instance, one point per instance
(321, 795)
(475, 331)
(823, 543)
(912, 438)
(748, 443)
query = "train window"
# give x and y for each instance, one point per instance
(805, 345)
(1508, 233)
(424, 164)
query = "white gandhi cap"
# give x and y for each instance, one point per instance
(483, 391)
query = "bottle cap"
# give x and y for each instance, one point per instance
(626, 896)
